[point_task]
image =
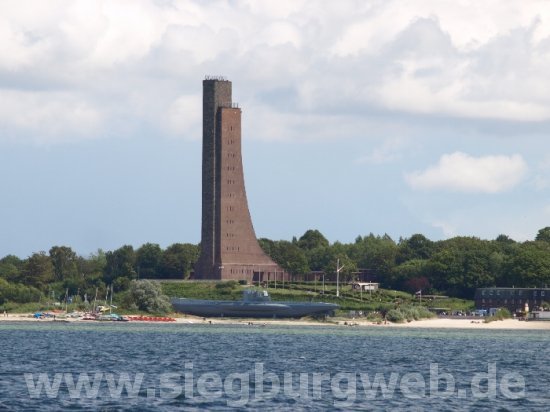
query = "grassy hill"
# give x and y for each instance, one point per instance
(381, 300)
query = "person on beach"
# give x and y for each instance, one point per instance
(5, 313)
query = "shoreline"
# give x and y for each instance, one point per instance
(437, 323)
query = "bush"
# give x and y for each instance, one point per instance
(503, 313)
(374, 316)
(147, 296)
(395, 315)
(500, 314)
(230, 284)
(408, 313)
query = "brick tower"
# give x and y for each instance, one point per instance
(229, 248)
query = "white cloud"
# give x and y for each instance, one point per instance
(48, 116)
(520, 224)
(463, 173)
(464, 60)
(183, 118)
(541, 180)
(448, 229)
(389, 151)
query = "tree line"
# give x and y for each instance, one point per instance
(455, 267)
(62, 272)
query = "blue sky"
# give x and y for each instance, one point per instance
(393, 117)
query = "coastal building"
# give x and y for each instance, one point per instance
(366, 286)
(513, 299)
(229, 247)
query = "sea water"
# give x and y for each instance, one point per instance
(129, 366)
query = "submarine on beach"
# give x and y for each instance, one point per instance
(255, 304)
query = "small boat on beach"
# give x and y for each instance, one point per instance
(112, 317)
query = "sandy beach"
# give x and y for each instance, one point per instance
(474, 324)
(426, 323)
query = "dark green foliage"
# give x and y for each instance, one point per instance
(461, 266)
(38, 270)
(337, 256)
(148, 258)
(11, 267)
(454, 267)
(528, 266)
(178, 260)
(543, 235)
(119, 263)
(64, 262)
(120, 284)
(377, 253)
(288, 255)
(312, 239)
(16, 292)
(404, 275)
(415, 247)
(319, 257)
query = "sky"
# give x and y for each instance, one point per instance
(358, 117)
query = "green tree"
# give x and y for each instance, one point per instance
(268, 246)
(120, 262)
(15, 292)
(461, 266)
(529, 266)
(543, 235)
(318, 258)
(290, 257)
(92, 267)
(90, 275)
(377, 253)
(64, 262)
(10, 268)
(312, 239)
(38, 270)
(504, 239)
(178, 260)
(415, 247)
(403, 274)
(348, 266)
(148, 261)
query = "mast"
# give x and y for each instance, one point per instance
(111, 304)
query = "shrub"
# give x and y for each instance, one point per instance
(374, 316)
(147, 296)
(230, 284)
(500, 314)
(408, 313)
(395, 315)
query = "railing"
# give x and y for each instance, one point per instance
(218, 78)
(233, 105)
